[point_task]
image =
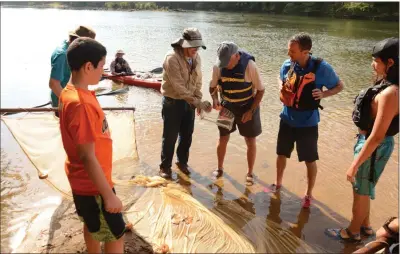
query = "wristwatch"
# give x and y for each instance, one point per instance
(388, 230)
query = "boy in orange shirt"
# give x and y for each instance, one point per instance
(88, 145)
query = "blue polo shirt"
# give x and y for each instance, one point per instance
(59, 68)
(324, 76)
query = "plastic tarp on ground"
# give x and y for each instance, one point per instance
(162, 212)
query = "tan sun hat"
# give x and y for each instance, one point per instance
(191, 38)
(120, 51)
(83, 31)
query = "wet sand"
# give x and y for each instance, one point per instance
(64, 235)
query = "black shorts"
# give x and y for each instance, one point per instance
(249, 129)
(103, 226)
(306, 139)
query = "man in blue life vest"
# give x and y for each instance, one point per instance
(60, 72)
(237, 79)
(302, 78)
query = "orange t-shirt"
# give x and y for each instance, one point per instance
(83, 121)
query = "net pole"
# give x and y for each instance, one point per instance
(22, 110)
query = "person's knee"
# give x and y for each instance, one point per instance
(250, 142)
(311, 164)
(361, 197)
(185, 137)
(170, 136)
(116, 246)
(281, 157)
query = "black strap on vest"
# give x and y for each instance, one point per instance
(372, 163)
(372, 167)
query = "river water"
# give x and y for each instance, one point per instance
(28, 37)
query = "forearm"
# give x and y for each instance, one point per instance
(257, 100)
(197, 93)
(394, 225)
(96, 174)
(183, 92)
(337, 89)
(193, 100)
(369, 147)
(112, 69)
(214, 93)
(129, 70)
(55, 86)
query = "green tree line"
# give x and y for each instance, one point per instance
(388, 11)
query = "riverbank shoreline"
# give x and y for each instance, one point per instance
(48, 6)
(166, 9)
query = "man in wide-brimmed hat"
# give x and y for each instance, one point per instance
(181, 89)
(60, 72)
(120, 65)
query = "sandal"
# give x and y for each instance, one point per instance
(335, 233)
(275, 188)
(249, 180)
(367, 231)
(218, 173)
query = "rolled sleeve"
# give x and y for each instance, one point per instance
(199, 82)
(58, 66)
(331, 79)
(284, 69)
(254, 75)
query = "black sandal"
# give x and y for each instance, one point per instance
(367, 231)
(335, 233)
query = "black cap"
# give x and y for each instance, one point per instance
(388, 48)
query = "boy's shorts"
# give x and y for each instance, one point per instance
(363, 185)
(103, 226)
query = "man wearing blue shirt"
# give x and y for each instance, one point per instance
(302, 78)
(60, 72)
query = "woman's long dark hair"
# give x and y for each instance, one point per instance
(392, 74)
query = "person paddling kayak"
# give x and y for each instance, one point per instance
(120, 65)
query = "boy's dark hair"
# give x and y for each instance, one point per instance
(84, 50)
(304, 41)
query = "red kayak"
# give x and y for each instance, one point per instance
(154, 83)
